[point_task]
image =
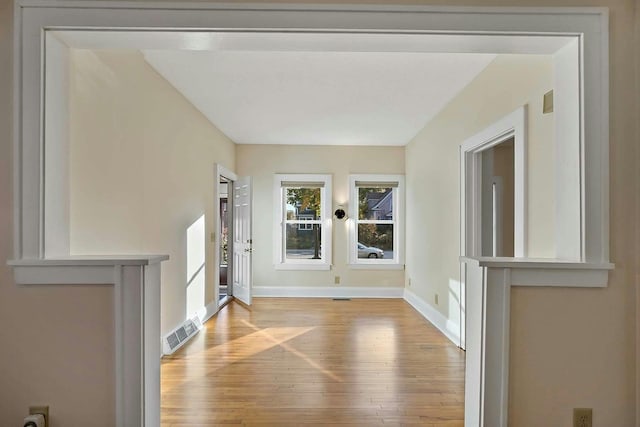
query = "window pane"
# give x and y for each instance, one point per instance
(303, 241)
(303, 203)
(375, 241)
(375, 203)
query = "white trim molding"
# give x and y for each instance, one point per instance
(513, 125)
(588, 26)
(327, 292)
(209, 310)
(449, 328)
(488, 283)
(33, 18)
(136, 315)
(282, 181)
(219, 172)
(396, 182)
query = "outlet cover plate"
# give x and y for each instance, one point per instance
(582, 417)
(44, 410)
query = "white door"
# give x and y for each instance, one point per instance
(242, 243)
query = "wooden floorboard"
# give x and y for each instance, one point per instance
(291, 362)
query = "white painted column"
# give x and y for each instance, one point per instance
(487, 282)
(568, 155)
(56, 149)
(475, 289)
(136, 317)
(496, 351)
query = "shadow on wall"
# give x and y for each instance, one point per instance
(195, 268)
(455, 308)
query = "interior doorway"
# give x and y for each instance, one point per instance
(493, 196)
(493, 193)
(222, 236)
(225, 287)
(497, 200)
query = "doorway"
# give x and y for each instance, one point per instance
(225, 281)
(493, 196)
(493, 192)
(233, 242)
(497, 200)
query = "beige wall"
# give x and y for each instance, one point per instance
(263, 161)
(142, 172)
(40, 359)
(636, 247)
(433, 194)
(569, 347)
(576, 347)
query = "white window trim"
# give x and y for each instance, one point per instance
(279, 260)
(397, 263)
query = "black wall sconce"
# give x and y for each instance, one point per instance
(340, 213)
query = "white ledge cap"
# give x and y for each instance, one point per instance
(90, 260)
(536, 263)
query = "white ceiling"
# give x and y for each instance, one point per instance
(317, 88)
(318, 98)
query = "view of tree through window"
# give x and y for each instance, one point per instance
(302, 220)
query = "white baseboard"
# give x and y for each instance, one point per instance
(209, 311)
(326, 292)
(449, 328)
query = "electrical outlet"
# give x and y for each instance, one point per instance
(582, 417)
(43, 410)
(336, 280)
(437, 298)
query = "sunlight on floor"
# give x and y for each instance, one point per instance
(192, 367)
(296, 352)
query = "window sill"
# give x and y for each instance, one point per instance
(302, 266)
(376, 266)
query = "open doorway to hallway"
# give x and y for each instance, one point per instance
(225, 281)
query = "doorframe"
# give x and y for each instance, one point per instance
(223, 172)
(242, 240)
(513, 125)
(497, 200)
(588, 25)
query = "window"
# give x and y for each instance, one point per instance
(302, 232)
(376, 232)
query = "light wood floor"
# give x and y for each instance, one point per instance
(291, 362)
